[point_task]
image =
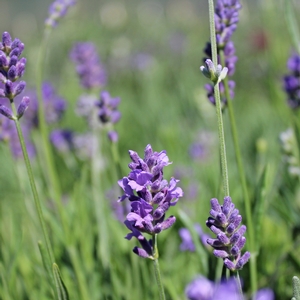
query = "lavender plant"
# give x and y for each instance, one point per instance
(11, 70)
(150, 196)
(223, 23)
(57, 10)
(226, 19)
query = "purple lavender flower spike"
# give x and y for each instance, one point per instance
(150, 196)
(12, 68)
(225, 223)
(90, 70)
(291, 81)
(57, 10)
(226, 19)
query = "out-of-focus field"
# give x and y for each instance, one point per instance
(152, 51)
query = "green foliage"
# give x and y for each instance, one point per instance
(163, 104)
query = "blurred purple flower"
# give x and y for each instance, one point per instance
(292, 81)
(187, 243)
(8, 134)
(55, 106)
(202, 288)
(108, 112)
(57, 10)
(225, 222)
(91, 72)
(62, 140)
(265, 294)
(150, 196)
(203, 146)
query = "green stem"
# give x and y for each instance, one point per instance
(157, 270)
(242, 175)
(33, 189)
(238, 281)
(218, 101)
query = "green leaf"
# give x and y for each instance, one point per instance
(292, 24)
(296, 288)
(46, 262)
(61, 289)
(260, 203)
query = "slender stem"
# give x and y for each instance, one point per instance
(238, 281)
(218, 101)
(33, 188)
(242, 175)
(157, 270)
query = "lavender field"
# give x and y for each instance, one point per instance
(150, 150)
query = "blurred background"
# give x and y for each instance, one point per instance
(152, 51)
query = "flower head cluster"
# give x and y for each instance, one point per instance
(91, 72)
(225, 222)
(57, 10)
(150, 196)
(226, 19)
(292, 81)
(12, 68)
(108, 113)
(202, 288)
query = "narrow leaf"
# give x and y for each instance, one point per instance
(46, 262)
(61, 289)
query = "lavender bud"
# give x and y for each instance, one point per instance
(3, 62)
(8, 89)
(13, 61)
(15, 52)
(168, 223)
(23, 106)
(243, 260)
(12, 73)
(6, 112)
(113, 136)
(215, 205)
(221, 253)
(19, 88)
(6, 40)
